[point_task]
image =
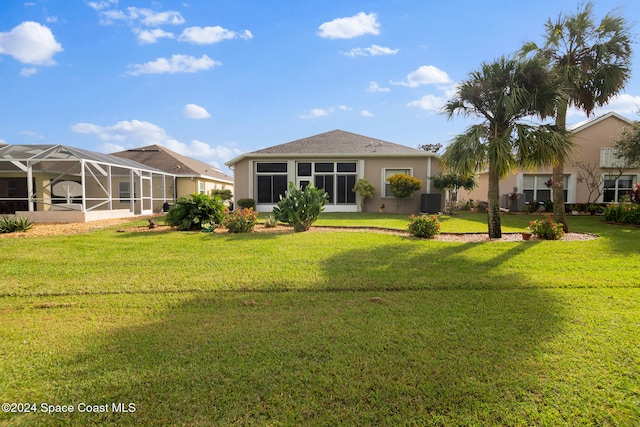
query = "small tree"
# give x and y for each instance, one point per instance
(593, 177)
(403, 186)
(365, 190)
(300, 208)
(453, 182)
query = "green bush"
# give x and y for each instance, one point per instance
(195, 212)
(240, 220)
(300, 208)
(426, 226)
(246, 203)
(365, 190)
(546, 229)
(623, 213)
(11, 224)
(223, 195)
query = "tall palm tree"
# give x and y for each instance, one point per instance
(502, 94)
(592, 63)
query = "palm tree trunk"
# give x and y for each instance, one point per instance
(493, 196)
(558, 173)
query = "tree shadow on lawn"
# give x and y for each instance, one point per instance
(358, 358)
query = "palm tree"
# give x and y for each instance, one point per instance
(591, 61)
(502, 94)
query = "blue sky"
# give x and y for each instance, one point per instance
(214, 79)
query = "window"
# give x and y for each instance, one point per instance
(337, 179)
(535, 187)
(387, 174)
(272, 181)
(614, 188)
(124, 192)
(201, 187)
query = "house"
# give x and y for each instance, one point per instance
(334, 161)
(58, 183)
(192, 176)
(592, 173)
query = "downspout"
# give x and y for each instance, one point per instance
(30, 185)
(84, 183)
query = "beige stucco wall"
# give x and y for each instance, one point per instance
(422, 167)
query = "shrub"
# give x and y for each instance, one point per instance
(240, 221)
(300, 208)
(365, 190)
(403, 186)
(271, 221)
(623, 213)
(223, 195)
(195, 212)
(425, 226)
(546, 229)
(246, 203)
(11, 224)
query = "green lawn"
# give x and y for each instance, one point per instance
(323, 328)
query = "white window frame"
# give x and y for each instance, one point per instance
(385, 179)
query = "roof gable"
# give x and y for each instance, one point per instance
(578, 127)
(336, 142)
(169, 161)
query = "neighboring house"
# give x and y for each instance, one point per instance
(593, 140)
(58, 183)
(192, 176)
(334, 161)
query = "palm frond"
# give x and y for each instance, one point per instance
(467, 152)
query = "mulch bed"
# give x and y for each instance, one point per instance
(53, 229)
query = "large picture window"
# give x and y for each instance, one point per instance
(272, 181)
(614, 188)
(337, 179)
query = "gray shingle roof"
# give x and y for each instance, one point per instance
(339, 142)
(169, 161)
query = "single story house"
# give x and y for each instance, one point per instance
(334, 161)
(58, 183)
(192, 176)
(608, 181)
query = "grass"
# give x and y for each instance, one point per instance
(324, 328)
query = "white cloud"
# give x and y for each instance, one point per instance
(152, 36)
(429, 103)
(32, 134)
(27, 72)
(373, 87)
(135, 133)
(30, 43)
(347, 28)
(175, 64)
(145, 17)
(211, 35)
(374, 50)
(425, 75)
(193, 111)
(366, 113)
(324, 112)
(99, 5)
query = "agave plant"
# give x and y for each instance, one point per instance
(301, 207)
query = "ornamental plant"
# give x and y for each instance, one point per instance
(195, 212)
(403, 186)
(240, 220)
(365, 190)
(624, 213)
(11, 224)
(425, 226)
(546, 229)
(300, 208)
